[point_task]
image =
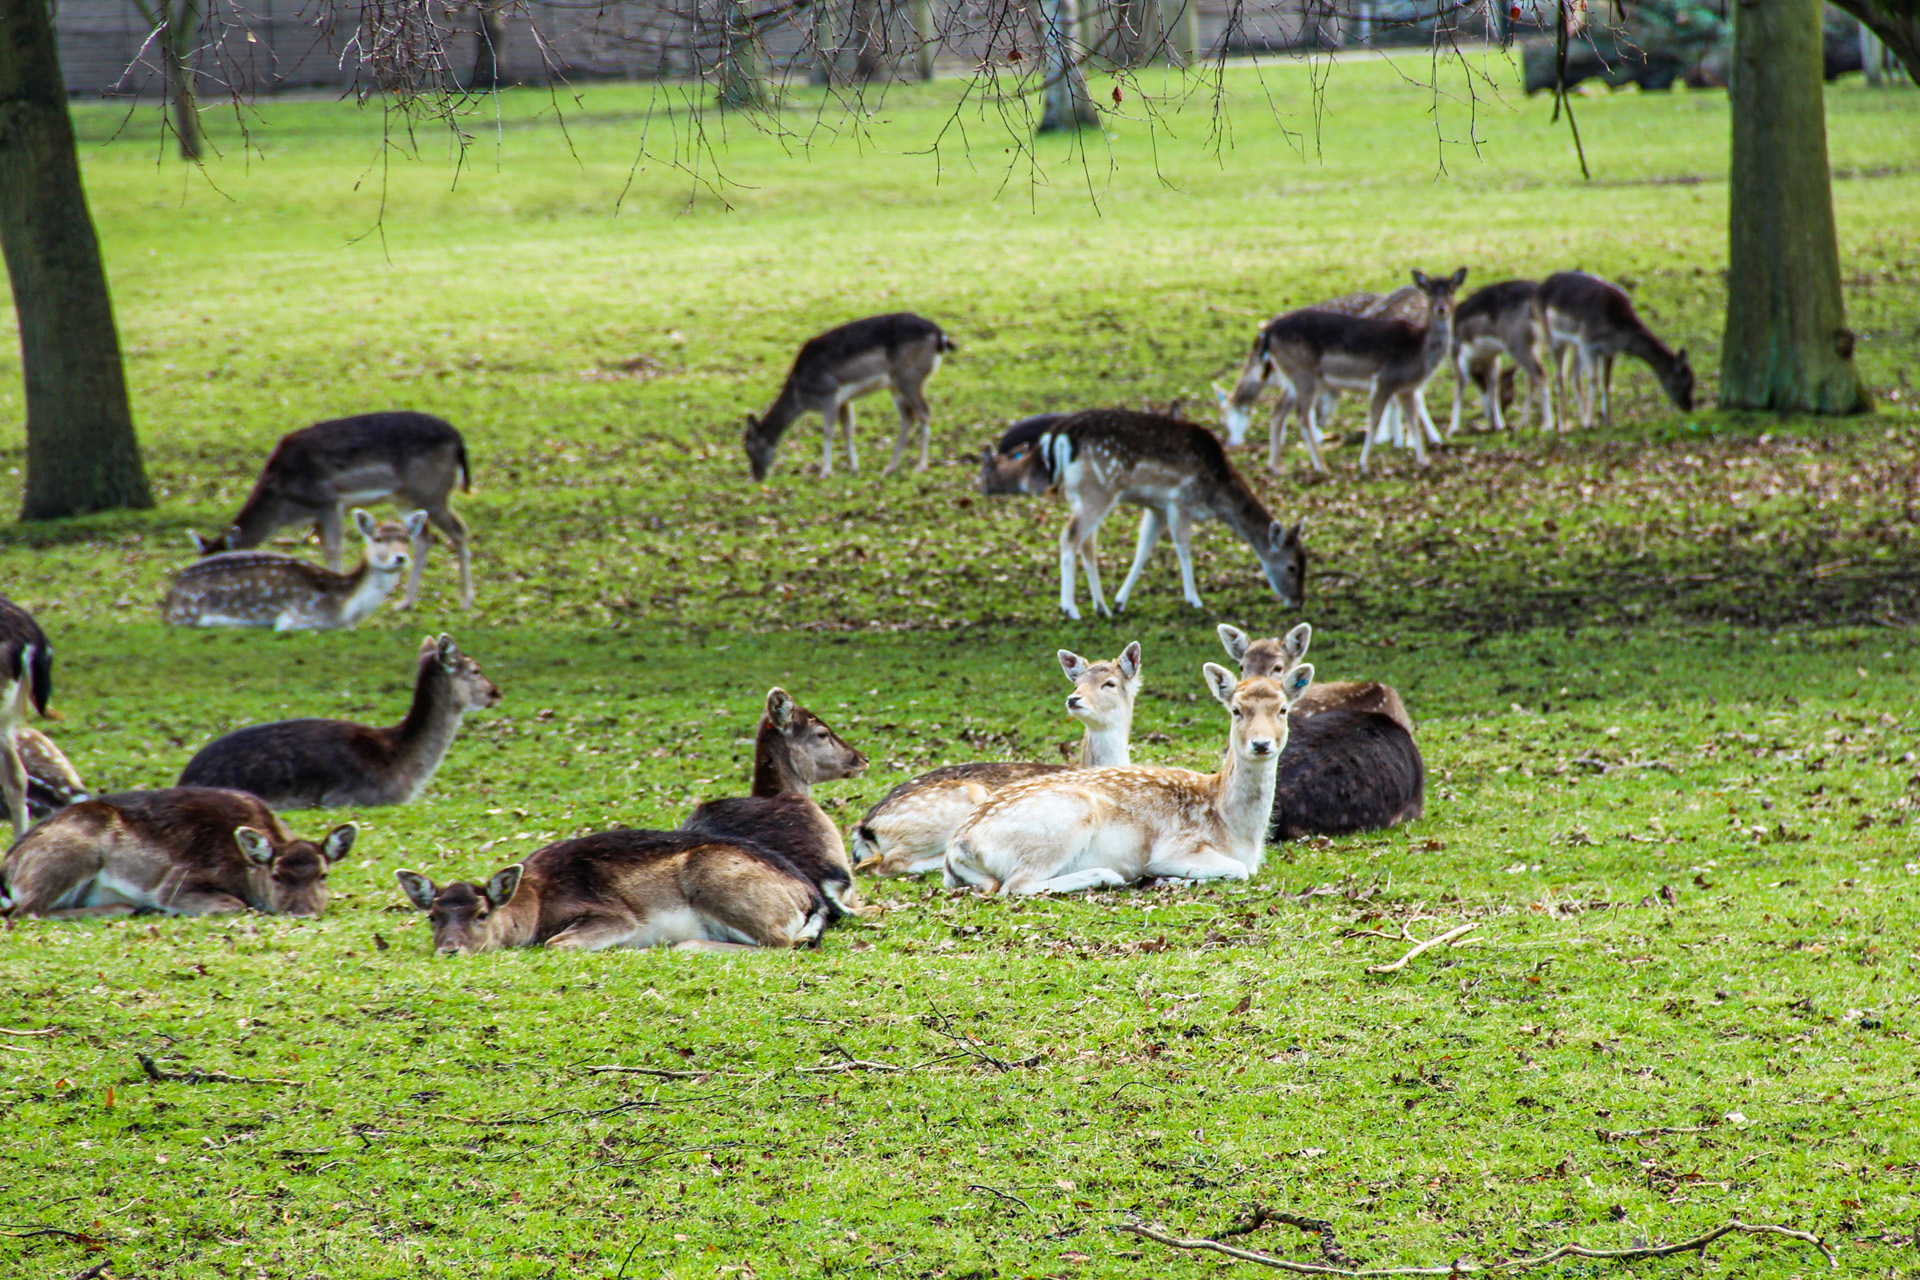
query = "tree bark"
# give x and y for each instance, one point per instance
(869, 36)
(1787, 345)
(740, 81)
(1069, 105)
(81, 451)
(182, 21)
(925, 36)
(492, 37)
(1896, 22)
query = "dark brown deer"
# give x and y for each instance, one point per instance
(26, 680)
(1597, 321)
(899, 351)
(1498, 321)
(325, 764)
(316, 473)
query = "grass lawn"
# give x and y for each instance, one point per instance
(1664, 677)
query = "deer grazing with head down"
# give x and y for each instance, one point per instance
(907, 832)
(316, 473)
(187, 851)
(899, 352)
(1597, 322)
(266, 589)
(1017, 464)
(1179, 474)
(326, 764)
(1090, 828)
(1498, 321)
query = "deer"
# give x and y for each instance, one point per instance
(314, 473)
(628, 888)
(1016, 464)
(1094, 828)
(267, 589)
(329, 764)
(1351, 763)
(1597, 321)
(906, 833)
(1389, 358)
(52, 781)
(1179, 473)
(1499, 321)
(184, 851)
(898, 351)
(26, 680)
(793, 749)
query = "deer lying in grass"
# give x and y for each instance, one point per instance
(1351, 763)
(899, 351)
(188, 851)
(266, 589)
(1107, 827)
(315, 473)
(1597, 321)
(26, 680)
(628, 889)
(793, 749)
(325, 764)
(1017, 464)
(52, 781)
(907, 832)
(1180, 474)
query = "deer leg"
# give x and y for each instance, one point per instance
(1069, 550)
(1072, 882)
(450, 523)
(200, 902)
(1426, 418)
(1376, 410)
(1202, 862)
(1460, 375)
(1090, 561)
(595, 933)
(417, 565)
(329, 522)
(1604, 375)
(1181, 524)
(846, 429)
(829, 419)
(1152, 525)
(1307, 404)
(1411, 408)
(1277, 429)
(13, 783)
(908, 422)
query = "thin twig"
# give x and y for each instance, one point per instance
(1428, 945)
(193, 1075)
(45, 1031)
(27, 1232)
(852, 1064)
(662, 1073)
(1004, 1195)
(1609, 1135)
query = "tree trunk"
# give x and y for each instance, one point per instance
(1787, 346)
(925, 36)
(869, 36)
(81, 450)
(176, 56)
(492, 37)
(825, 47)
(740, 82)
(1895, 22)
(1069, 105)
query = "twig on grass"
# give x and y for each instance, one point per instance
(1004, 1195)
(1610, 1135)
(1329, 1244)
(851, 1064)
(1445, 939)
(27, 1231)
(95, 1272)
(194, 1075)
(44, 1031)
(1461, 1266)
(661, 1072)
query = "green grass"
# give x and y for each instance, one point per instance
(1665, 681)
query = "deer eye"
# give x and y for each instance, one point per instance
(1108, 685)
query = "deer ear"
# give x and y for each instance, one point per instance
(201, 546)
(779, 707)
(339, 841)
(1221, 682)
(418, 888)
(1130, 660)
(255, 844)
(1234, 640)
(363, 521)
(1295, 682)
(1073, 664)
(500, 888)
(1420, 278)
(416, 521)
(1459, 277)
(1297, 641)
(448, 650)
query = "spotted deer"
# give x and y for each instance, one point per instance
(907, 832)
(1596, 320)
(1495, 322)
(628, 888)
(1091, 828)
(52, 781)
(26, 680)
(314, 474)
(266, 589)
(899, 352)
(326, 764)
(1179, 474)
(185, 851)
(793, 749)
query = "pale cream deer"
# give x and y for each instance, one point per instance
(266, 589)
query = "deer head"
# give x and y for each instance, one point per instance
(760, 448)
(295, 873)
(1103, 692)
(465, 917)
(472, 691)
(1284, 560)
(1678, 381)
(389, 542)
(814, 752)
(1258, 706)
(1266, 657)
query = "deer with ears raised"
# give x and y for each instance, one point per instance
(907, 832)
(1108, 827)
(266, 589)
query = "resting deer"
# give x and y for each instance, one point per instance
(628, 889)
(907, 832)
(1017, 464)
(1180, 474)
(52, 781)
(792, 750)
(315, 473)
(266, 589)
(325, 764)
(1108, 827)
(899, 351)
(187, 851)
(1351, 763)
(26, 680)
(1597, 320)
(1499, 321)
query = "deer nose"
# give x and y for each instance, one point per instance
(1261, 746)
(1074, 702)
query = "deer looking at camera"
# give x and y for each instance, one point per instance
(266, 589)
(907, 832)
(315, 473)
(1597, 322)
(186, 851)
(1107, 827)
(899, 352)
(1498, 321)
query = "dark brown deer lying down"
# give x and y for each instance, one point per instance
(1350, 763)
(628, 889)
(793, 749)
(315, 473)
(26, 680)
(324, 764)
(52, 781)
(188, 851)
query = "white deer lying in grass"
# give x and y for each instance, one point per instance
(1105, 827)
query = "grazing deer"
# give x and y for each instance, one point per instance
(1107, 827)
(1390, 358)
(266, 589)
(52, 781)
(315, 473)
(26, 680)
(188, 851)
(899, 351)
(1180, 474)
(792, 750)
(325, 764)
(1498, 321)
(907, 832)
(1597, 320)
(1017, 464)
(1351, 763)
(628, 889)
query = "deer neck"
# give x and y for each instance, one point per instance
(1243, 805)
(518, 923)
(1234, 505)
(1100, 748)
(1659, 357)
(420, 741)
(780, 415)
(773, 771)
(1439, 341)
(366, 587)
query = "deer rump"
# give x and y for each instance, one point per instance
(909, 828)
(1346, 770)
(791, 827)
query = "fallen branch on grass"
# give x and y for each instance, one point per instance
(1004, 1195)
(1610, 1135)
(1447, 938)
(193, 1075)
(661, 1072)
(27, 1231)
(46, 1031)
(1460, 1266)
